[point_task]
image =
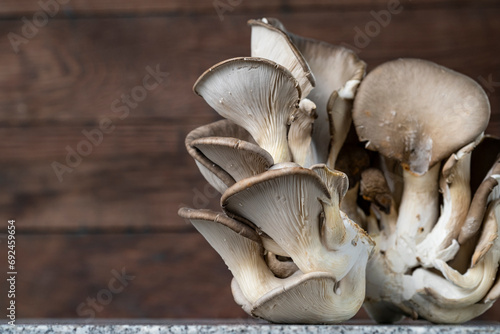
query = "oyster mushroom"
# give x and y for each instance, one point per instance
(399, 112)
(456, 297)
(299, 298)
(219, 178)
(337, 72)
(258, 95)
(240, 159)
(274, 44)
(441, 243)
(304, 209)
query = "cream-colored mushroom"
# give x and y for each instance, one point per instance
(457, 297)
(300, 134)
(289, 204)
(258, 95)
(338, 72)
(274, 44)
(441, 243)
(300, 298)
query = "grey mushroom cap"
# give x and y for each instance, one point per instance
(213, 173)
(238, 158)
(220, 218)
(405, 109)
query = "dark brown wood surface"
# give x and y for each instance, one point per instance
(118, 207)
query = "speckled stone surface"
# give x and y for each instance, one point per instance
(78, 326)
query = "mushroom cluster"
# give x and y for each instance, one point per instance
(340, 190)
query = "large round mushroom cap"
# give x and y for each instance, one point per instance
(419, 112)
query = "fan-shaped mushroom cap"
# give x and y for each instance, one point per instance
(315, 298)
(335, 181)
(213, 173)
(238, 158)
(299, 298)
(402, 107)
(258, 95)
(338, 72)
(274, 44)
(287, 204)
(240, 248)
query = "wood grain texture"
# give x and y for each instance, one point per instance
(72, 8)
(65, 80)
(174, 276)
(72, 71)
(68, 77)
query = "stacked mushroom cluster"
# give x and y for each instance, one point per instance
(298, 190)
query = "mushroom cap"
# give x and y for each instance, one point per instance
(209, 216)
(338, 72)
(313, 298)
(277, 203)
(238, 158)
(219, 178)
(407, 108)
(213, 173)
(258, 95)
(294, 207)
(270, 42)
(335, 181)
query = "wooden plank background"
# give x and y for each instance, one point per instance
(118, 208)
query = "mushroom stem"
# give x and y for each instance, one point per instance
(340, 118)
(418, 212)
(274, 141)
(302, 148)
(441, 243)
(333, 229)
